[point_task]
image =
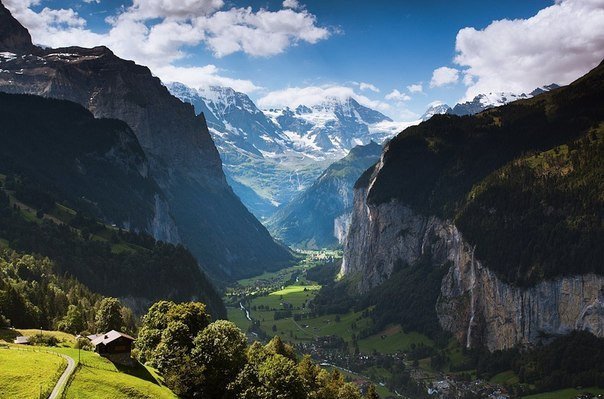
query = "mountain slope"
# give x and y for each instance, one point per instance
(314, 218)
(506, 204)
(270, 156)
(55, 152)
(96, 165)
(211, 220)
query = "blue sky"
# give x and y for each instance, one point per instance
(336, 45)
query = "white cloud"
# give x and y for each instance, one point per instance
(293, 4)
(261, 33)
(368, 86)
(397, 96)
(206, 76)
(444, 76)
(416, 88)
(313, 95)
(557, 45)
(92, 1)
(158, 33)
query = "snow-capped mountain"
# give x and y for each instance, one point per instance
(331, 128)
(482, 102)
(233, 118)
(269, 156)
(435, 108)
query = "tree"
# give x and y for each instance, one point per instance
(220, 349)
(193, 315)
(74, 321)
(276, 346)
(371, 393)
(279, 378)
(349, 391)
(109, 315)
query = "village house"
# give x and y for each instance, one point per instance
(115, 346)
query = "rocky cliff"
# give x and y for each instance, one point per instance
(210, 220)
(516, 235)
(474, 304)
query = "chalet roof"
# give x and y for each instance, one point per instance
(110, 337)
(21, 340)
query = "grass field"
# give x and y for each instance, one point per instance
(25, 374)
(392, 339)
(507, 377)
(98, 378)
(295, 289)
(569, 393)
(95, 376)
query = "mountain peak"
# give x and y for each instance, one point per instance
(14, 37)
(435, 108)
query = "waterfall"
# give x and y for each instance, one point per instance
(472, 300)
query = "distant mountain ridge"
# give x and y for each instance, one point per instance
(269, 156)
(482, 102)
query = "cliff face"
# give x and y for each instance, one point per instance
(506, 205)
(201, 209)
(474, 305)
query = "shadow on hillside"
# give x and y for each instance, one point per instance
(8, 335)
(138, 371)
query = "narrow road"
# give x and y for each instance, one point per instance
(58, 389)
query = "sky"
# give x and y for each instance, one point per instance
(395, 56)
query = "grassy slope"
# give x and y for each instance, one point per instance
(24, 374)
(98, 378)
(95, 377)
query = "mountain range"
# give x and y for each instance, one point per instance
(271, 155)
(482, 102)
(196, 207)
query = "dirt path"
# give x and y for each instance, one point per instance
(58, 389)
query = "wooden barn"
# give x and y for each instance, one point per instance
(114, 345)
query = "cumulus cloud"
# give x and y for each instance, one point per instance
(444, 76)
(557, 45)
(159, 33)
(314, 95)
(397, 96)
(416, 88)
(293, 4)
(363, 86)
(261, 33)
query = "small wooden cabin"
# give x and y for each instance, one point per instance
(114, 345)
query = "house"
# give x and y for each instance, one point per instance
(22, 340)
(115, 346)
